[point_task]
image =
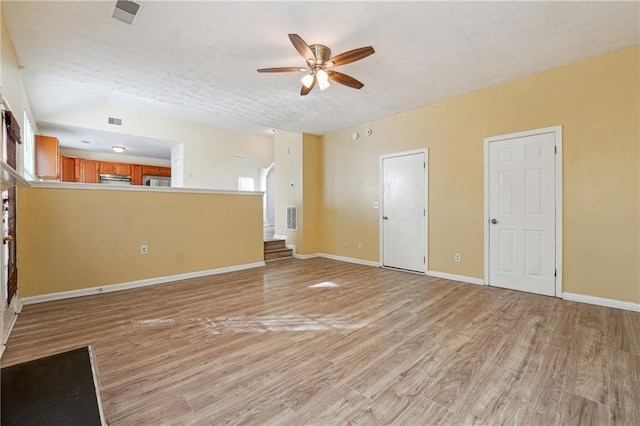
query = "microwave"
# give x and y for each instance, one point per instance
(156, 181)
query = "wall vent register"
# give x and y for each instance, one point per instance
(292, 218)
(126, 11)
(115, 121)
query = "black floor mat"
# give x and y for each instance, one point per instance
(56, 390)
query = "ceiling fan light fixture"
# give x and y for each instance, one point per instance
(118, 149)
(318, 58)
(322, 76)
(307, 80)
(323, 79)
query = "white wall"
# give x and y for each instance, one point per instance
(177, 166)
(288, 155)
(224, 174)
(217, 163)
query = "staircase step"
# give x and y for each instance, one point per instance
(274, 244)
(277, 253)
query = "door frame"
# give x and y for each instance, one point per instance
(424, 151)
(557, 131)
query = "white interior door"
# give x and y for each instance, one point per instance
(403, 224)
(521, 211)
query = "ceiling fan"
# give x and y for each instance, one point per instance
(320, 64)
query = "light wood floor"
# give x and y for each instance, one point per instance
(384, 347)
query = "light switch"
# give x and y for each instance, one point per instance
(376, 205)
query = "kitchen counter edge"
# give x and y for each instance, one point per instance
(103, 187)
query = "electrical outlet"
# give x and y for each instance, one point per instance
(144, 249)
(457, 257)
(359, 246)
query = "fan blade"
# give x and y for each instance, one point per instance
(282, 69)
(302, 47)
(305, 90)
(351, 56)
(341, 78)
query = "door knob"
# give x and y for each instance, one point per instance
(494, 221)
(7, 239)
(385, 217)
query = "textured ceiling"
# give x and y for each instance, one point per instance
(198, 60)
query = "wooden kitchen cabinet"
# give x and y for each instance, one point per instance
(150, 170)
(69, 169)
(156, 171)
(47, 157)
(123, 169)
(107, 168)
(136, 174)
(89, 171)
(110, 168)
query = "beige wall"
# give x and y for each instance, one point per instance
(311, 194)
(596, 102)
(71, 239)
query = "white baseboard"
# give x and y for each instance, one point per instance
(342, 259)
(453, 277)
(307, 256)
(135, 284)
(601, 301)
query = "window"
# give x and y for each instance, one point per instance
(29, 153)
(245, 184)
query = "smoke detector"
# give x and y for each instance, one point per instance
(127, 11)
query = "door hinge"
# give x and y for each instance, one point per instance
(424, 165)
(555, 149)
(424, 259)
(424, 212)
(555, 272)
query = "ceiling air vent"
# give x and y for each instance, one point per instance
(115, 121)
(126, 11)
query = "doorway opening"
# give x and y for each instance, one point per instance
(270, 203)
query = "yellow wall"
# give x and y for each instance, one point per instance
(311, 193)
(597, 103)
(71, 239)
